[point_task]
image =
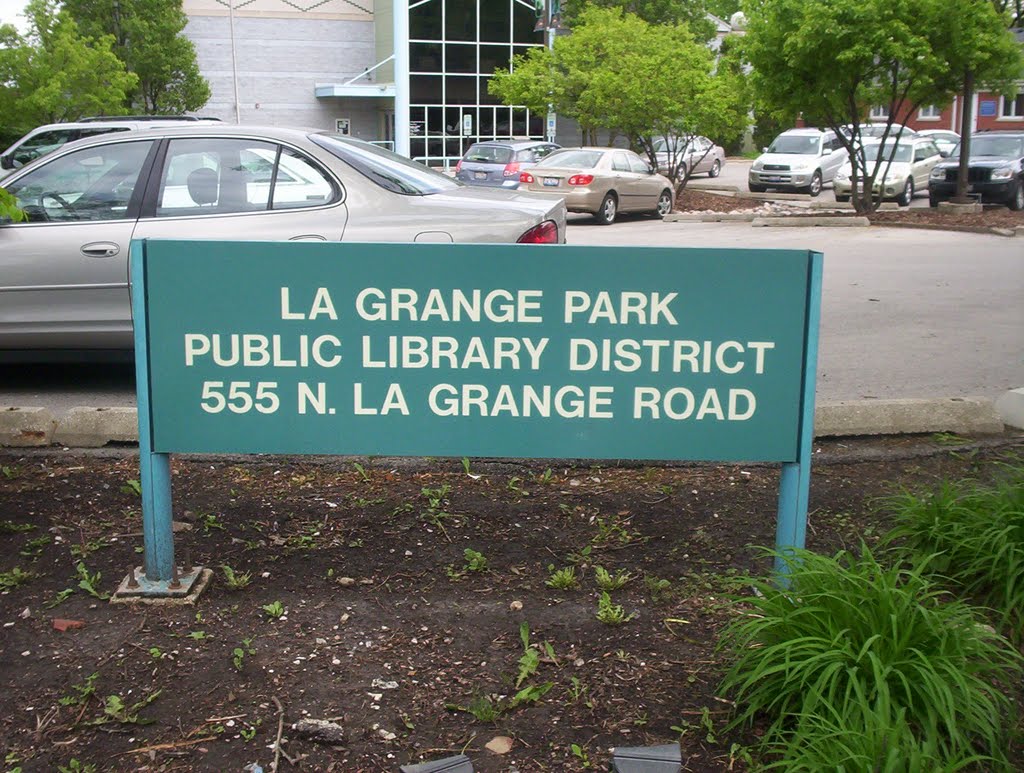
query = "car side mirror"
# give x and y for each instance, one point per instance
(764, 150)
(944, 153)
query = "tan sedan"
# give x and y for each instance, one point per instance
(600, 181)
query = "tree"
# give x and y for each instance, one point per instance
(835, 59)
(149, 40)
(53, 73)
(641, 80)
(691, 13)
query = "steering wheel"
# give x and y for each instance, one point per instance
(64, 204)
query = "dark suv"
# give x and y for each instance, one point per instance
(995, 171)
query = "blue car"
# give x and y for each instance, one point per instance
(497, 163)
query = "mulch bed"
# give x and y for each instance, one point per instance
(384, 629)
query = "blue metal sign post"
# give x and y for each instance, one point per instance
(470, 350)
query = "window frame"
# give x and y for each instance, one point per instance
(1018, 105)
(929, 113)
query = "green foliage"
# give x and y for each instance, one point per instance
(973, 534)
(9, 209)
(81, 693)
(132, 486)
(690, 13)
(273, 610)
(10, 527)
(611, 614)
(475, 561)
(13, 578)
(238, 654)
(235, 580)
(610, 582)
(562, 579)
(148, 38)
(852, 644)
(74, 766)
(832, 60)
(55, 73)
(116, 710)
(88, 582)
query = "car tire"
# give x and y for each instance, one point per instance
(933, 202)
(907, 195)
(842, 199)
(754, 188)
(664, 203)
(605, 215)
(1017, 202)
(716, 169)
(814, 189)
(682, 172)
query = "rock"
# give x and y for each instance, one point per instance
(346, 582)
(382, 684)
(500, 744)
(320, 730)
(515, 606)
(59, 624)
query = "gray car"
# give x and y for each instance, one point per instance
(64, 272)
(497, 164)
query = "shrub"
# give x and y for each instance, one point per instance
(974, 536)
(852, 647)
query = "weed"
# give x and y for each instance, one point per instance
(9, 472)
(859, 643)
(530, 659)
(86, 548)
(238, 654)
(562, 579)
(465, 464)
(581, 754)
(209, 522)
(948, 439)
(612, 532)
(611, 614)
(274, 610)
(235, 580)
(60, 598)
(198, 635)
(132, 486)
(362, 471)
(88, 582)
(81, 693)
(13, 578)
(609, 582)
(667, 489)
(436, 497)
(475, 562)
(116, 710)
(10, 527)
(156, 653)
(247, 733)
(513, 485)
(34, 547)
(706, 726)
(546, 477)
(74, 766)
(659, 589)
(483, 708)
(582, 557)
(577, 690)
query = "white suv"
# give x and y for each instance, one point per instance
(46, 139)
(801, 160)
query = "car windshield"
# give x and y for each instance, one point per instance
(388, 170)
(878, 129)
(891, 152)
(489, 154)
(1000, 147)
(582, 159)
(795, 144)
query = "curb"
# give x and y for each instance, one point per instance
(714, 217)
(820, 221)
(86, 427)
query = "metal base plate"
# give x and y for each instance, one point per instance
(148, 592)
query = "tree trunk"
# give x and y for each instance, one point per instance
(965, 140)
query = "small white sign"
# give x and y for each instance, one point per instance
(343, 126)
(467, 124)
(551, 127)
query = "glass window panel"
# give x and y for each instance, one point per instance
(460, 19)
(215, 176)
(523, 22)
(486, 98)
(89, 184)
(495, 20)
(299, 183)
(460, 58)
(494, 58)
(425, 57)
(425, 21)
(425, 89)
(460, 89)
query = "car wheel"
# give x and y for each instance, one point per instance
(842, 199)
(664, 203)
(1017, 202)
(716, 169)
(609, 207)
(907, 196)
(754, 188)
(815, 187)
(933, 202)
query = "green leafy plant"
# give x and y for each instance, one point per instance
(851, 637)
(238, 654)
(706, 726)
(60, 598)
(209, 522)
(10, 527)
(546, 477)
(235, 580)
(613, 531)
(609, 582)
(581, 754)
(435, 512)
(577, 690)
(611, 614)
(132, 486)
(513, 485)
(74, 766)
(85, 548)
(273, 610)
(13, 578)
(34, 547)
(362, 471)
(80, 693)
(198, 635)
(465, 465)
(562, 579)
(88, 582)
(659, 589)
(475, 561)
(156, 653)
(973, 535)
(8, 472)
(116, 710)
(247, 733)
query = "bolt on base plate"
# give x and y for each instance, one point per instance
(136, 589)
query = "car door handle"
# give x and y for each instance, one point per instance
(100, 249)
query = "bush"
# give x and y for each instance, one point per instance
(859, 661)
(973, 534)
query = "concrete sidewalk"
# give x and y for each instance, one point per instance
(86, 427)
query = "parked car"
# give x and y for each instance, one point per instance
(945, 139)
(600, 181)
(902, 171)
(995, 171)
(497, 163)
(65, 270)
(801, 160)
(700, 156)
(877, 130)
(46, 139)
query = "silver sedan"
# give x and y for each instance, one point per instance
(64, 271)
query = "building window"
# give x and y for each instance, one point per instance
(1013, 107)
(929, 113)
(879, 113)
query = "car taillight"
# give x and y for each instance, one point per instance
(458, 166)
(511, 169)
(581, 179)
(526, 177)
(545, 233)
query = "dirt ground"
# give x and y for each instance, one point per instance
(365, 609)
(693, 200)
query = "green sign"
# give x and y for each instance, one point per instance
(476, 350)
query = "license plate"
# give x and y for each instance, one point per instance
(772, 179)
(552, 181)
(479, 175)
